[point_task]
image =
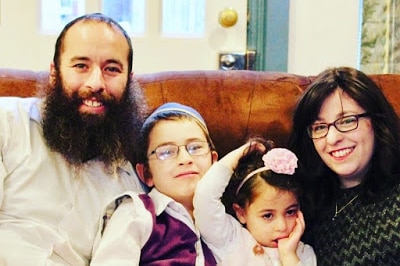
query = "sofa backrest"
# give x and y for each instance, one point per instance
(235, 104)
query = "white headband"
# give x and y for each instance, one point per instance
(278, 160)
(259, 170)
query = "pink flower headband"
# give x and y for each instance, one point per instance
(278, 160)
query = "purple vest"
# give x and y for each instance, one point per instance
(171, 241)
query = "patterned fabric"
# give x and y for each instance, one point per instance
(360, 234)
(171, 241)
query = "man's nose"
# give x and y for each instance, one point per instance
(95, 81)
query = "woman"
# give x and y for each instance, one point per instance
(347, 135)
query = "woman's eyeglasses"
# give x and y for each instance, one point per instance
(343, 124)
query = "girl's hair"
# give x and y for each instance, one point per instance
(165, 113)
(249, 162)
(384, 168)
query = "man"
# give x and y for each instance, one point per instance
(64, 157)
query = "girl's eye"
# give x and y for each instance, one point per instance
(291, 212)
(267, 216)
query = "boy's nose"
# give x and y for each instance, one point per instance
(183, 155)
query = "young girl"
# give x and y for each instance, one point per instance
(264, 223)
(157, 228)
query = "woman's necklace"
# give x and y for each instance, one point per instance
(341, 209)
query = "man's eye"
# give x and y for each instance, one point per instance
(114, 69)
(80, 66)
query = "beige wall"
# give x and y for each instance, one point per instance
(322, 33)
(20, 44)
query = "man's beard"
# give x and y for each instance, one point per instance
(109, 137)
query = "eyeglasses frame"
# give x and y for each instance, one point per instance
(357, 116)
(178, 146)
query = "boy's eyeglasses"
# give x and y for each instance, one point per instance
(170, 151)
(343, 124)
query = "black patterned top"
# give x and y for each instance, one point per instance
(361, 234)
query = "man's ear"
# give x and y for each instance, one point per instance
(144, 174)
(52, 75)
(240, 213)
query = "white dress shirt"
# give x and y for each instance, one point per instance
(130, 226)
(49, 210)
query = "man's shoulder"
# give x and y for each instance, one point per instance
(18, 105)
(11, 103)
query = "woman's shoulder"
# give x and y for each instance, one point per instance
(394, 195)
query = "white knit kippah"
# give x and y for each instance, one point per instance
(176, 107)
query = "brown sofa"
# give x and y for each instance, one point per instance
(235, 104)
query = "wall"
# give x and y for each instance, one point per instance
(18, 49)
(322, 33)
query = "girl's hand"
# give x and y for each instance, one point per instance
(287, 247)
(231, 159)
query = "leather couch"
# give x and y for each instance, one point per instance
(235, 104)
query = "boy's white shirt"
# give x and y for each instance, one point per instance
(130, 227)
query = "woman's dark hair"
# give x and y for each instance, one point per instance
(98, 17)
(383, 173)
(249, 162)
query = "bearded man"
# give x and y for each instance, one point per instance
(63, 157)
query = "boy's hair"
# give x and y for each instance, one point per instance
(249, 162)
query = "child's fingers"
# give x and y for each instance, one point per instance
(300, 219)
(231, 159)
(256, 145)
(298, 230)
